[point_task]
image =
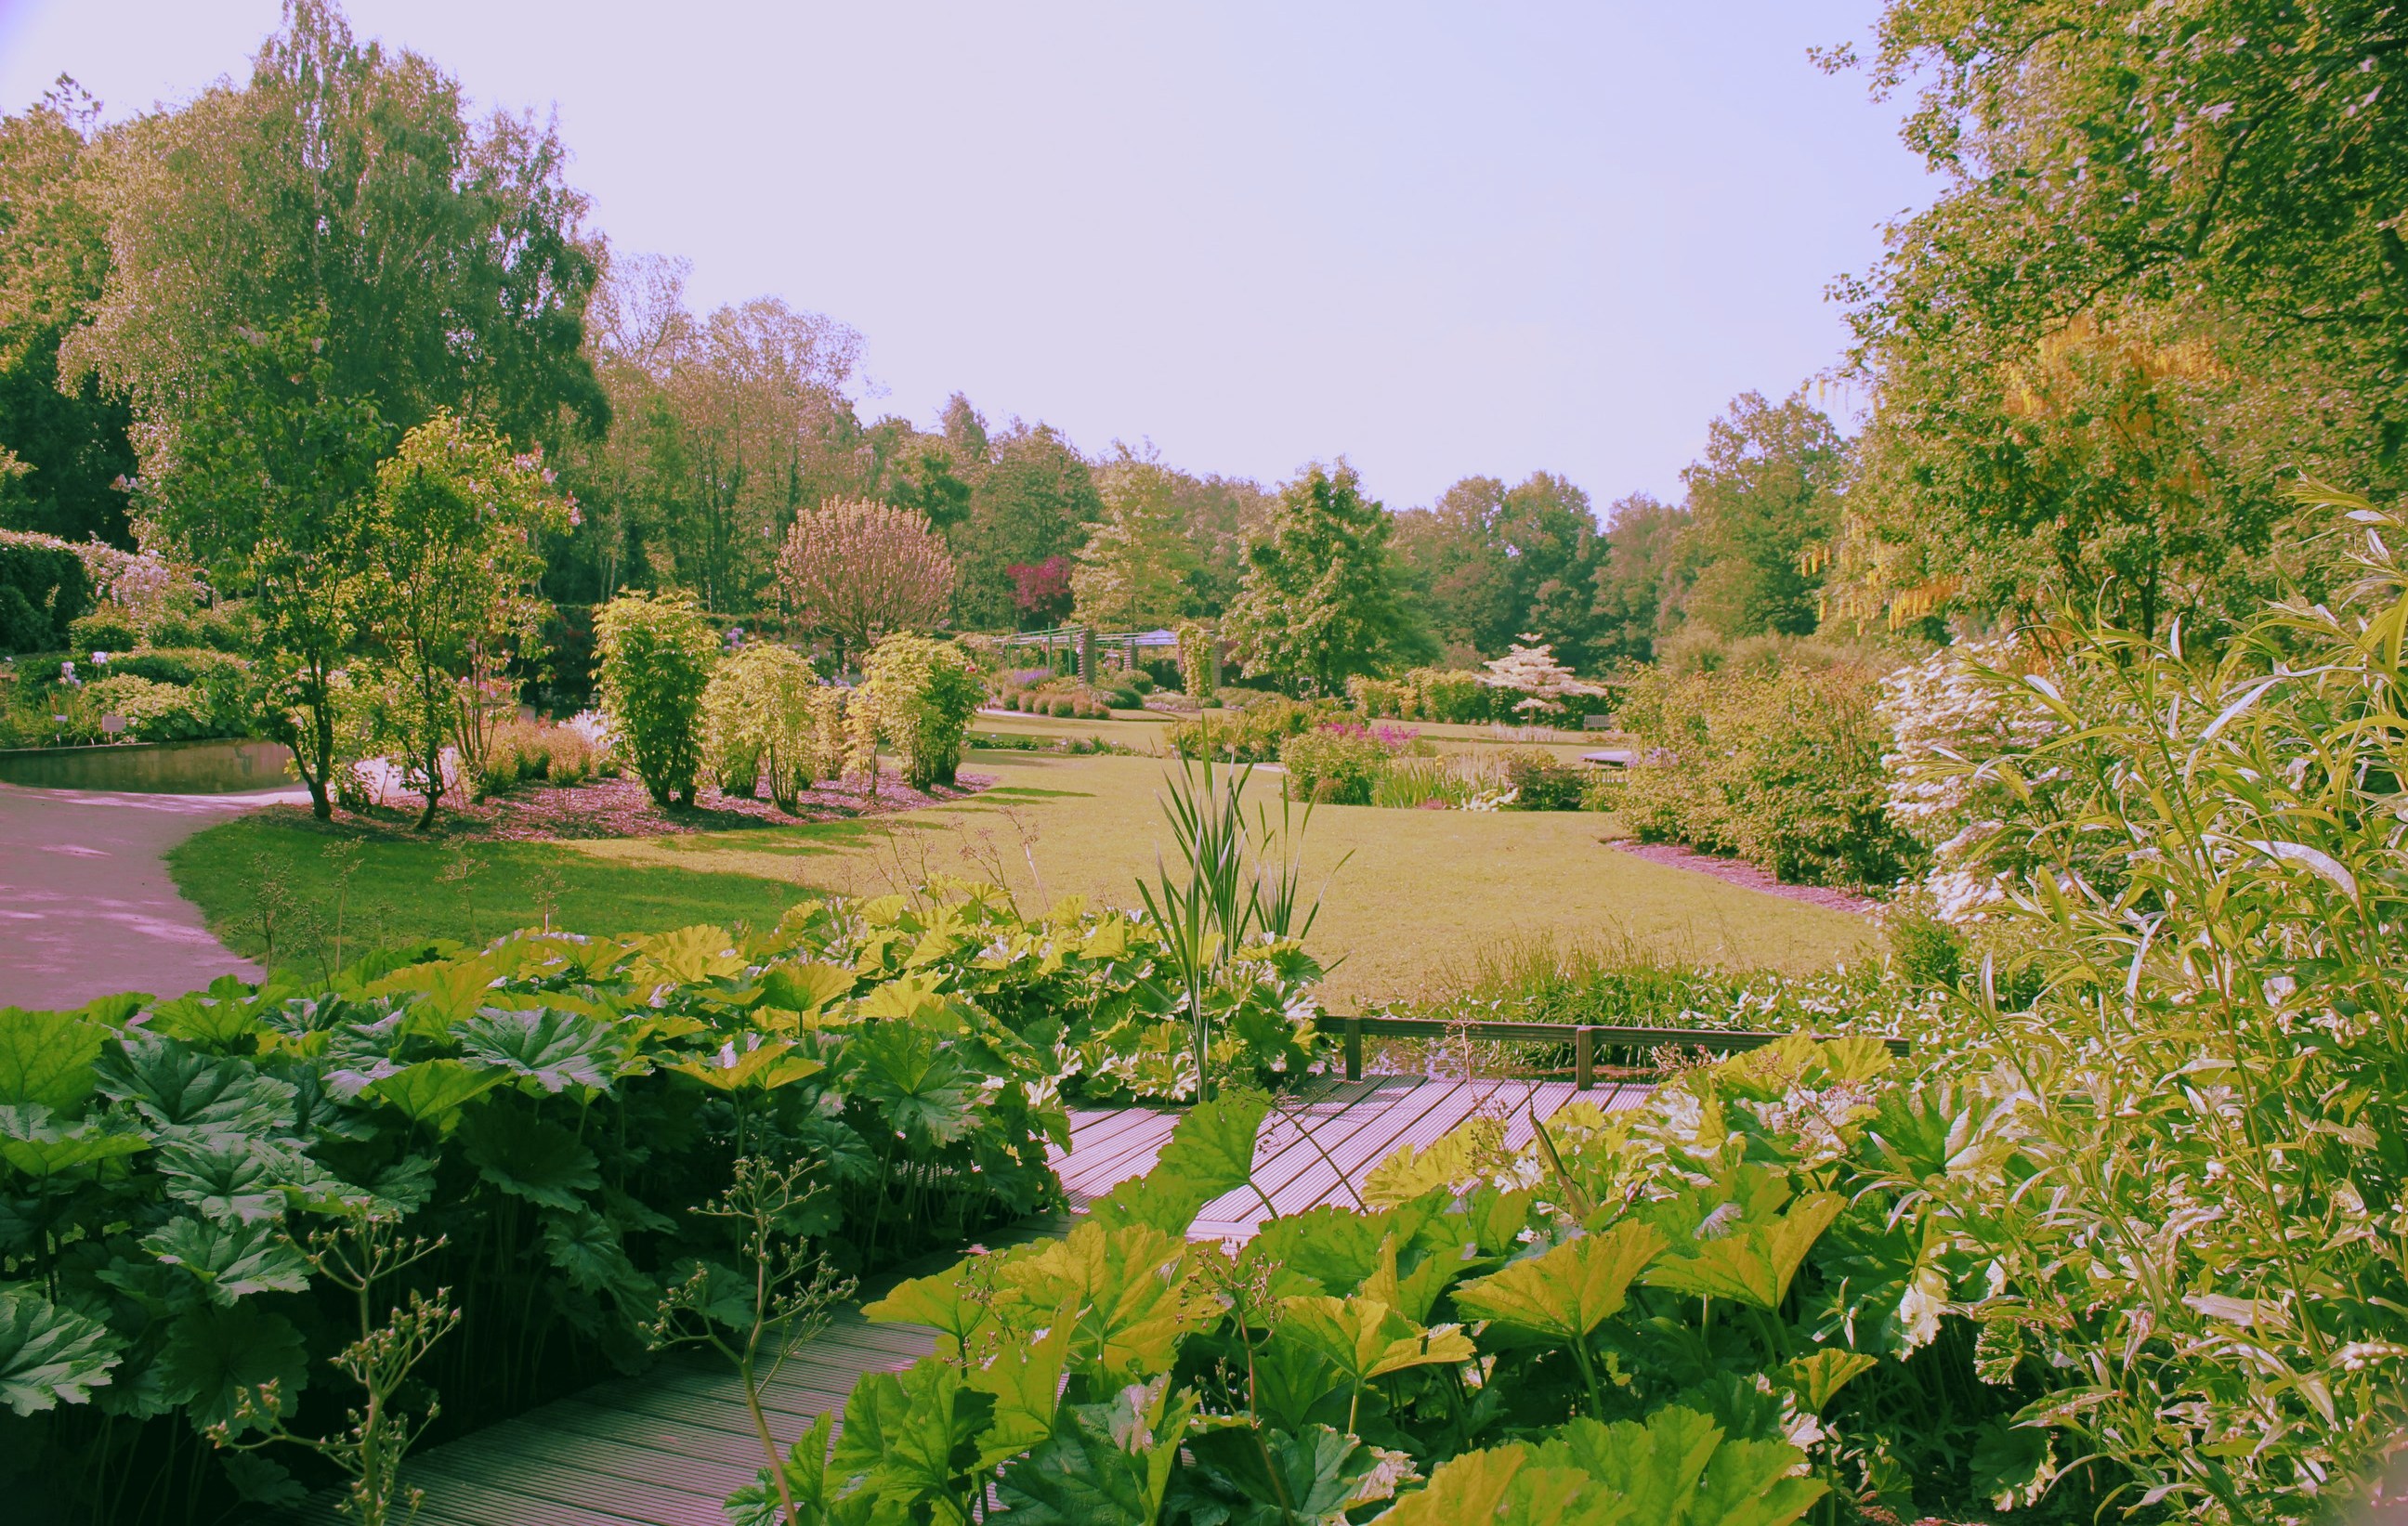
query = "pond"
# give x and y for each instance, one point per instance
(174, 768)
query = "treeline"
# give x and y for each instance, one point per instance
(215, 321)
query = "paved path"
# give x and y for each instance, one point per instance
(86, 907)
(664, 1449)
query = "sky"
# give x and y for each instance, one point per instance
(1439, 240)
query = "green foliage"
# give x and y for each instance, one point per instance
(1248, 736)
(1319, 603)
(1492, 564)
(1541, 782)
(1765, 492)
(763, 712)
(42, 592)
(551, 1108)
(925, 693)
(103, 630)
(1783, 770)
(153, 712)
(655, 661)
(1336, 765)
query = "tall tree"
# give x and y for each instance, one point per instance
(2167, 267)
(1319, 603)
(302, 270)
(1497, 564)
(1138, 565)
(72, 445)
(1642, 579)
(1765, 492)
(855, 569)
(1034, 498)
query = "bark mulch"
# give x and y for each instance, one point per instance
(621, 807)
(1741, 873)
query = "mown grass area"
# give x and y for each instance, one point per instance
(1417, 891)
(1410, 895)
(270, 878)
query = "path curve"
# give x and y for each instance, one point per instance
(86, 907)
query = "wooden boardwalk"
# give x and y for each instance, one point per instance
(665, 1449)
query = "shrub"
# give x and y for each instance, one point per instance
(155, 712)
(1783, 770)
(1541, 782)
(103, 630)
(656, 660)
(1196, 661)
(925, 693)
(43, 588)
(1334, 765)
(1253, 735)
(1062, 705)
(224, 627)
(762, 722)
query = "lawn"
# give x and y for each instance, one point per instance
(1418, 891)
(1410, 895)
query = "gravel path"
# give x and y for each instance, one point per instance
(1739, 873)
(86, 907)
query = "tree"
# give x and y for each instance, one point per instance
(301, 271)
(1494, 562)
(1642, 578)
(448, 594)
(1137, 563)
(1319, 602)
(857, 570)
(1042, 592)
(1449, 553)
(1034, 498)
(2166, 271)
(1766, 492)
(71, 448)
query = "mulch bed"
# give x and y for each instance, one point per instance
(1741, 873)
(620, 807)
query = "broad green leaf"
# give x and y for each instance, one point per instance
(1309, 1479)
(1025, 1377)
(805, 988)
(593, 1256)
(1211, 1151)
(1135, 1290)
(1678, 1469)
(32, 1143)
(225, 1176)
(912, 1441)
(1818, 1378)
(1569, 1291)
(951, 1302)
(1364, 1338)
(232, 1260)
(552, 1047)
(691, 956)
(206, 1021)
(1753, 1262)
(212, 1353)
(175, 1085)
(922, 1090)
(50, 1356)
(1107, 1464)
(1465, 1489)
(806, 1464)
(46, 1059)
(433, 1091)
(529, 1157)
(757, 1061)
(1413, 1295)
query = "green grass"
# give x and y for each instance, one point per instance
(269, 875)
(1421, 893)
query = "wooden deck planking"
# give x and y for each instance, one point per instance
(664, 1449)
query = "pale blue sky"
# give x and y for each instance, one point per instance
(1437, 239)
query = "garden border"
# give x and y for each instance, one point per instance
(1585, 1038)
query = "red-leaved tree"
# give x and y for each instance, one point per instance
(1041, 590)
(857, 570)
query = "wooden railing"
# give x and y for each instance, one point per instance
(1585, 1038)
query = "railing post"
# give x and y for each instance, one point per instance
(1354, 1049)
(1584, 1058)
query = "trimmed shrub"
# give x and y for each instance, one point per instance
(1541, 781)
(657, 656)
(154, 711)
(42, 590)
(103, 630)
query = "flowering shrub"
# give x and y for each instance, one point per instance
(858, 570)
